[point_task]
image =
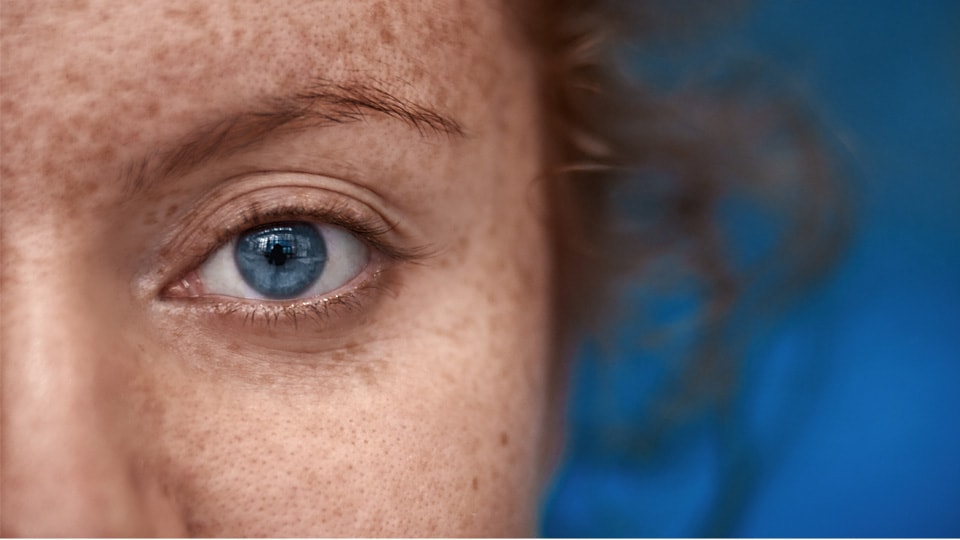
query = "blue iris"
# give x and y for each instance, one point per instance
(281, 260)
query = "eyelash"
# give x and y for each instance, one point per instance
(321, 309)
(371, 231)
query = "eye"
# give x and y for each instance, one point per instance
(284, 261)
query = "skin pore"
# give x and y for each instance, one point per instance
(138, 137)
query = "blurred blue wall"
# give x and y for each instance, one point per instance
(872, 445)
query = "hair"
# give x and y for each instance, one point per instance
(656, 164)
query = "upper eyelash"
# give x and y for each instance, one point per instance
(369, 230)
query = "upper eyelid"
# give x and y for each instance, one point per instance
(322, 103)
(246, 184)
(212, 206)
(373, 231)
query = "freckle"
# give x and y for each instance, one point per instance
(86, 189)
(504, 439)
(379, 11)
(160, 55)
(476, 483)
(79, 5)
(344, 36)
(77, 79)
(386, 36)
(464, 243)
(433, 28)
(151, 108)
(171, 210)
(105, 153)
(9, 106)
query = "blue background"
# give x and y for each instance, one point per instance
(851, 404)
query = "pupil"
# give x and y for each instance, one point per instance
(277, 256)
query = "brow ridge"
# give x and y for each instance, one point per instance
(319, 105)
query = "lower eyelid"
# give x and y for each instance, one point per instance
(286, 317)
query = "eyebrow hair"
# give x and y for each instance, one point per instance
(321, 104)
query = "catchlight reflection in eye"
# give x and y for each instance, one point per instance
(284, 261)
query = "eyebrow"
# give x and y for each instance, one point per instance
(321, 104)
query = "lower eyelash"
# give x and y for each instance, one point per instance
(319, 311)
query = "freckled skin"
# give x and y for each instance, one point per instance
(422, 414)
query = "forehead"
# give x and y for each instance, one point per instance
(248, 43)
(73, 69)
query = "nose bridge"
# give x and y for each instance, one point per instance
(70, 457)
